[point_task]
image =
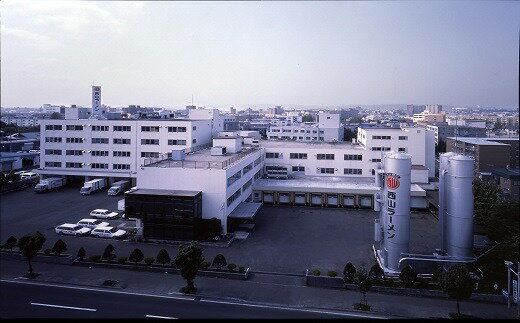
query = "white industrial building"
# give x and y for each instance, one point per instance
(225, 175)
(327, 129)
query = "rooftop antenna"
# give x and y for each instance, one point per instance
(192, 99)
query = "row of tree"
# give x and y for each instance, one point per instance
(189, 260)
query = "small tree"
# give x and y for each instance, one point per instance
(109, 253)
(29, 246)
(163, 257)
(10, 243)
(349, 271)
(136, 256)
(81, 254)
(59, 247)
(219, 261)
(376, 273)
(364, 283)
(188, 260)
(456, 282)
(408, 276)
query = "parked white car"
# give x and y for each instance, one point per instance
(72, 229)
(103, 214)
(108, 232)
(92, 223)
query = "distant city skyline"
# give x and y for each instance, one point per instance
(307, 54)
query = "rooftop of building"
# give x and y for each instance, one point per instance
(201, 159)
(332, 184)
(512, 173)
(145, 191)
(309, 144)
(484, 141)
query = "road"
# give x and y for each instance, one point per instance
(19, 299)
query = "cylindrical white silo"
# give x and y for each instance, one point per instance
(459, 206)
(396, 209)
(443, 168)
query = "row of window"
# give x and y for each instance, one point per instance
(97, 153)
(115, 128)
(346, 171)
(117, 141)
(330, 156)
(92, 166)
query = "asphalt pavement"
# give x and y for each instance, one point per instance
(24, 299)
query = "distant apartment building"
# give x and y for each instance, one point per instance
(21, 121)
(434, 108)
(277, 110)
(443, 130)
(489, 153)
(414, 109)
(427, 116)
(327, 128)
(474, 123)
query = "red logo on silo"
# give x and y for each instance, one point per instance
(392, 182)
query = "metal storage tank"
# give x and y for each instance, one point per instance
(459, 206)
(443, 166)
(396, 208)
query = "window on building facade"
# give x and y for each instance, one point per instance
(121, 153)
(74, 152)
(149, 129)
(53, 127)
(52, 139)
(150, 154)
(74, 127)
(298, 156)
(122, 128)
(324, 170)
(99, 128)
(272, 155)
(298, 168)
(74, 140)
(176, 129)
(149, 141)
(121, 166)
(175, 142)
(100, 153)
(52, 152)
(403, 137)
(352, 171)
(74, 165)
(52, 164)
(100, 140)
(353, 157)
(325, 156)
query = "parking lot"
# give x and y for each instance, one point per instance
(285, 239)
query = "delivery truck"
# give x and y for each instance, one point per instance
(93, 186)
(49, 184)
(118, 187)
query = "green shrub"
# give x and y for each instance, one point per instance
(332, 273)
(362, 307)
(149, 260)
(205, 265)
(94, 258)
(47, 251)
(316, 272)
(231, 266)
(241, 269)
(122, 260)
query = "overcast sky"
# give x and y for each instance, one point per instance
(243, 54)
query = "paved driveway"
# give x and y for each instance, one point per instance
(285, 239)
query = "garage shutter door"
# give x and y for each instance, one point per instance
(316, 199)
(268, 198)
(366, 201)
(348, 200)
(283, 198)
(332, 200)
(299, 198)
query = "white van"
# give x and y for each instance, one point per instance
(92, 223)
(71, 229)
